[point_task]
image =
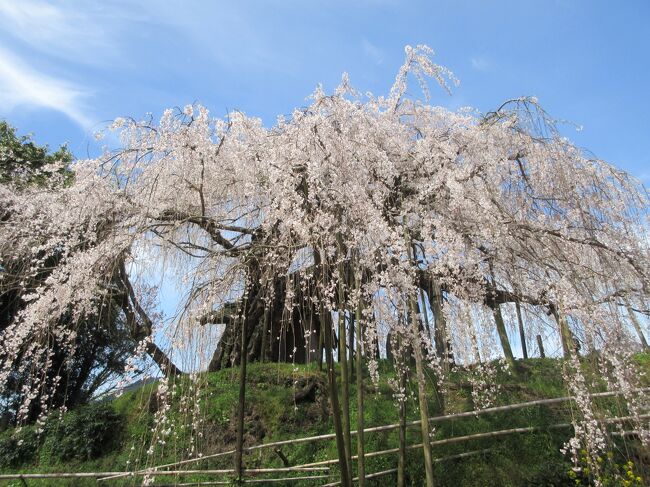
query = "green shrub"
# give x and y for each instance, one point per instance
(18, 448)
(83, 434)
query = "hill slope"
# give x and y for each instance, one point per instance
(138, 430)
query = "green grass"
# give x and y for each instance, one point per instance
(105, 436)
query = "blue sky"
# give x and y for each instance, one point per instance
(67, 67)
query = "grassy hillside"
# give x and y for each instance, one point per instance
(115, 435)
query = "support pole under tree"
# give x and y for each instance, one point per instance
(265, 333)
(566, 337)
(522, 333)
(422, 398)
(503, 334)
(419, 368)
(326, 330)
(336, 409)
(473, 338)
(351, 355)
(443, 347)
(345, 376)
(637, 326)
(239, 445)
(361, 470)
(540, 345)
(401, 459)
(319, 351)
(345, 388)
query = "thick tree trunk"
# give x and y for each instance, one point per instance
(273, 333)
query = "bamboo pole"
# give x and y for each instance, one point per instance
(369, 476)
(437, 460)
(343, 359)
(336, 410)
(478, 412)
(239, 445)
(302, 468)
(351, 350)
(321, 344)
(419, 369)
(361, 468)
(74, 475)
(401, 459)
(478, 436)
(284, 479)
(245, 481)
(326, 323)
(388, 427)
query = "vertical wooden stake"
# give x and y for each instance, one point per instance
(540, 345)
(419, 368)
(361, 470)
(522, 333)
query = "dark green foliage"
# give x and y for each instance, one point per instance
(18, 449)
(22, 161)
(84, 434)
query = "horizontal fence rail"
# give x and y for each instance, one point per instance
(323, 466)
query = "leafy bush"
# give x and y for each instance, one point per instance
(84, 434)
(18, 448)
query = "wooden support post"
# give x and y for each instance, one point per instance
(540, 345)
(416, 345)
(522, 333)
(361, 470)
(239, 442)
(637, 326)
(503, 335)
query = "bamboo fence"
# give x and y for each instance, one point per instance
(323, 466)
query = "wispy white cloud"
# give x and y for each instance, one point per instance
(372, 51)
(20, 85)
(79, 33)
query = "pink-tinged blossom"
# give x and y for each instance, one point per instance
(497, 203)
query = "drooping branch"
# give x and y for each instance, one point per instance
(141, 325)
(211, 227)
